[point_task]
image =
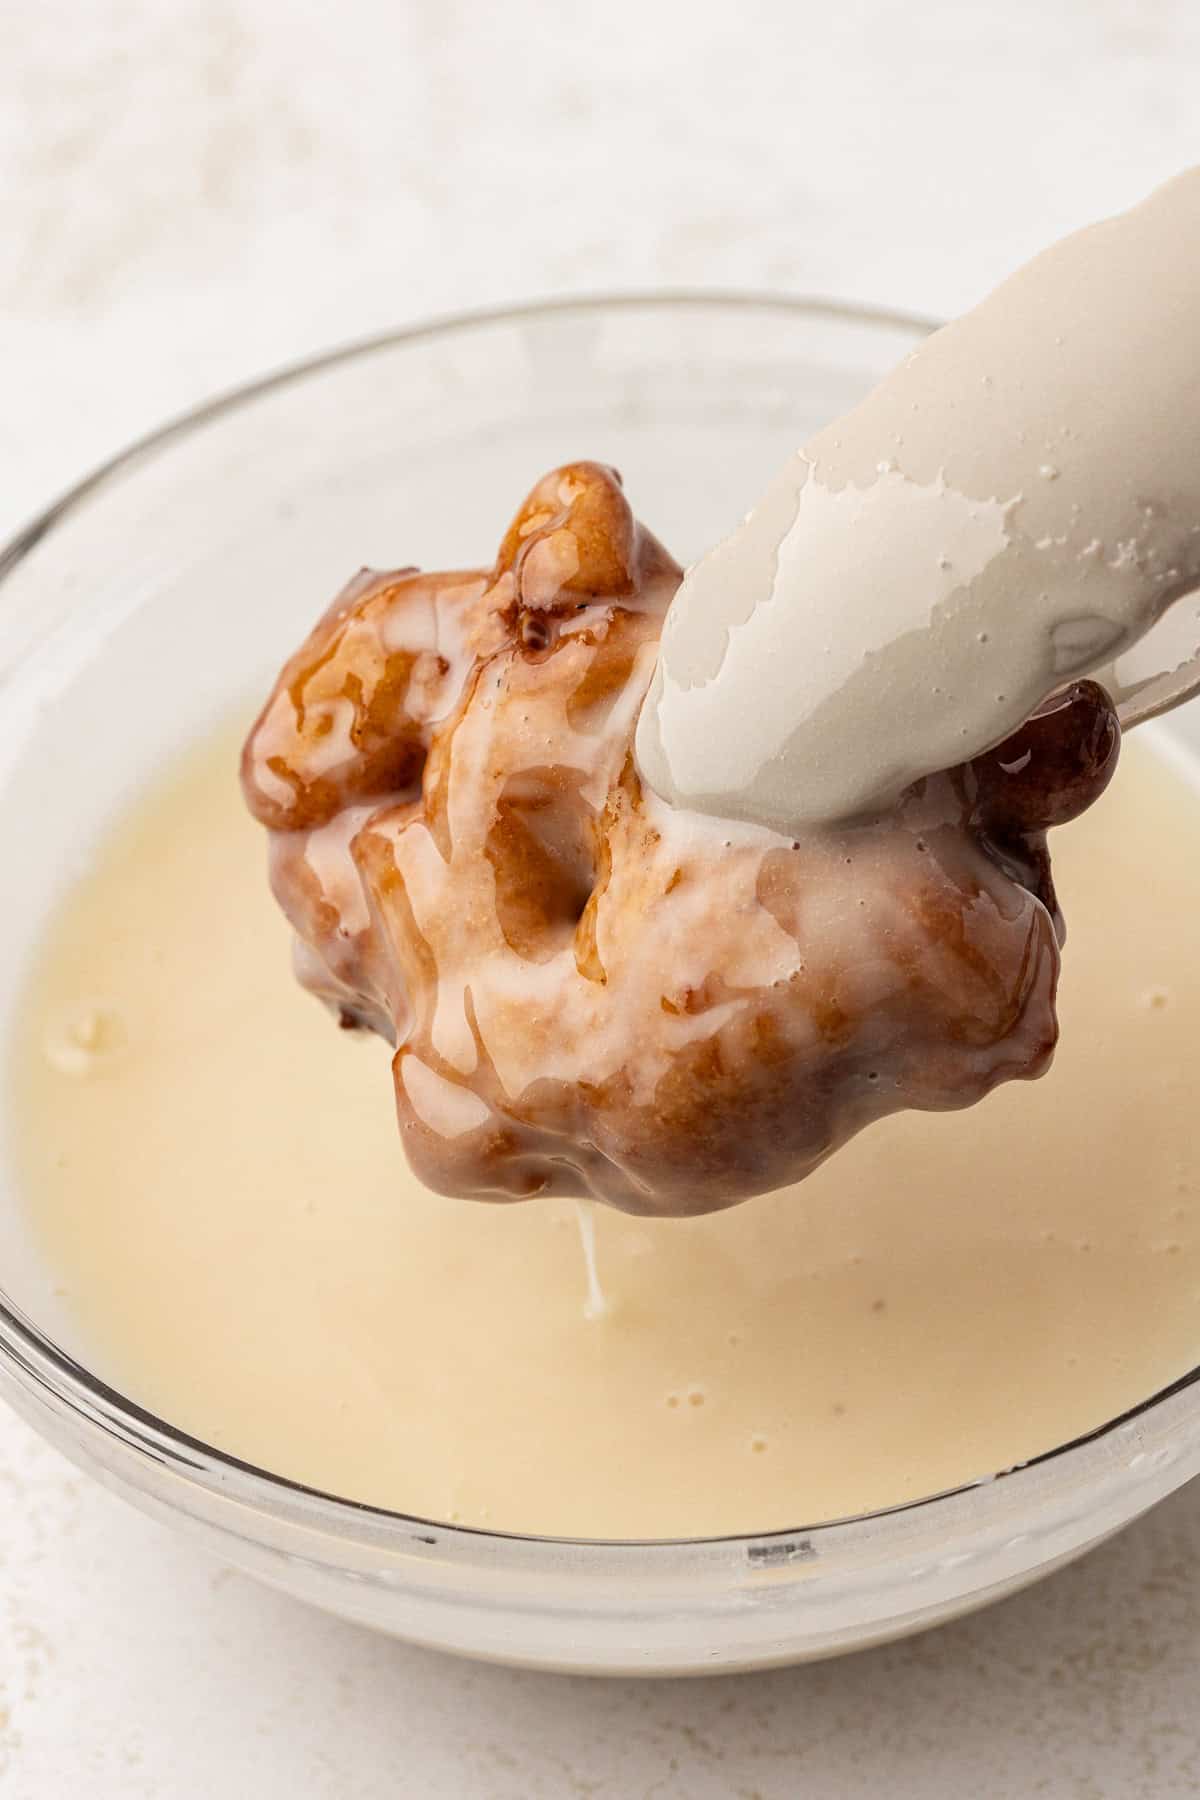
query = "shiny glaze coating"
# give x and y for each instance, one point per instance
(593, 992)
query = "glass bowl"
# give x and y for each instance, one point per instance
(120, 609)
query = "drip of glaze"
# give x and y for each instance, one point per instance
(596, 1304)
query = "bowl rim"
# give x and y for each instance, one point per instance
(31, 1359)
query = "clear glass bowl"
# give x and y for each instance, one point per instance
(120, 610)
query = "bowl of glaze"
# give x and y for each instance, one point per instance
(120, 608)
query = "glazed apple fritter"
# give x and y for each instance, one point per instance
(591, 992)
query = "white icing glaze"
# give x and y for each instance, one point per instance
(1017, 503)
(245, 1253)
(445, 1106)
(596, 1304)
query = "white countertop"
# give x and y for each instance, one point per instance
(199, 191)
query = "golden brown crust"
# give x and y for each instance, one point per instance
(588, 990)
(351, 714)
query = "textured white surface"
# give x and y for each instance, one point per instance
(196, 191)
